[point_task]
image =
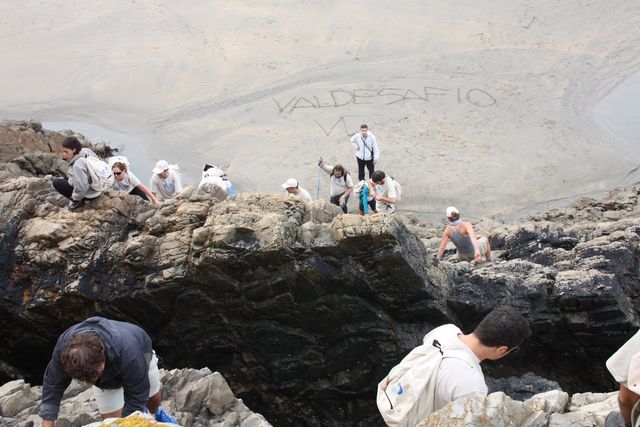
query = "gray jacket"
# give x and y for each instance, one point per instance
(78, 176)
(128, 353)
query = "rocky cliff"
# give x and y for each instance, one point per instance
(193, 397)
(302, 309)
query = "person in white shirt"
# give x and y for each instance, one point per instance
(165, 182)
(293, 188)
(125, 180)
(367, 151)
(386, 194)
(501, 332)
(341, 184)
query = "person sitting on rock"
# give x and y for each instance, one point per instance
(125, 180)
(116, 358)
(386, 194)
(341, 184)
(464, 238)
(166, 181)
(624, 365)
(500, 333)
(293, 189)
(77, 186)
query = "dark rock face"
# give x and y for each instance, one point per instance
(302, 320)
(301, 309)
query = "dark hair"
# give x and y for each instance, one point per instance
(363, 126)
(207, 166)
(341, 169)
(120, 165)
(81, 356)
(72, 143)
(377, 176)
(504, 325)
(454, 216)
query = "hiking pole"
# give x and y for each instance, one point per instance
(318, 182)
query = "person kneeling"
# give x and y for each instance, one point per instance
(125, 180)
(464, 238)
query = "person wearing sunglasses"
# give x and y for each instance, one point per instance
(125, 180)
(500, 333)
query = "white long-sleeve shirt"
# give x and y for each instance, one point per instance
(366, 149)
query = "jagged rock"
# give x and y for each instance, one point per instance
(542, 410)
(304, 309)
(193, 397)
(586, 410)
(523, 387)
(496, 409)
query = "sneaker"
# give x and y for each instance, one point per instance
(163, 417)
(74, 204)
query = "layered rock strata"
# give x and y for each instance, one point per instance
(301, 308)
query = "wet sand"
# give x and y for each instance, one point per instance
(496, 108)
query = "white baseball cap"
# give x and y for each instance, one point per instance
(291, 182)
(452, 210)
(161, 166)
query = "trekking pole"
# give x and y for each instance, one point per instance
(318, 183)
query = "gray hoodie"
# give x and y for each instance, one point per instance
(128, 353)
(79, 178)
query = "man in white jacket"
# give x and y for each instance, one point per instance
(367, 151)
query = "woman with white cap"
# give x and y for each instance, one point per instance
(165, 182)
(293, 189)
(464, 238)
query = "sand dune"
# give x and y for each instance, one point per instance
(485, 105)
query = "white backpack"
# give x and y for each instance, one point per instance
(406, 396)
(100, 174)
(398, 189)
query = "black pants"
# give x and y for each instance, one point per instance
(138, 192)
(361, 164)
(63, 187)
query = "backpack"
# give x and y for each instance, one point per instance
(176, 169)
(398, 189)
(406, 396)
(100, 174)
(211, 170)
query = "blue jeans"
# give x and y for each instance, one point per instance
(336, 201)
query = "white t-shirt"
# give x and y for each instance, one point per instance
(624, 365)
(128, 183)
(340, 185)
(165, 188)
(302, 195)
(388, 189)
(456, 377)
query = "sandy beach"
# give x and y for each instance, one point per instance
(499, 108)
